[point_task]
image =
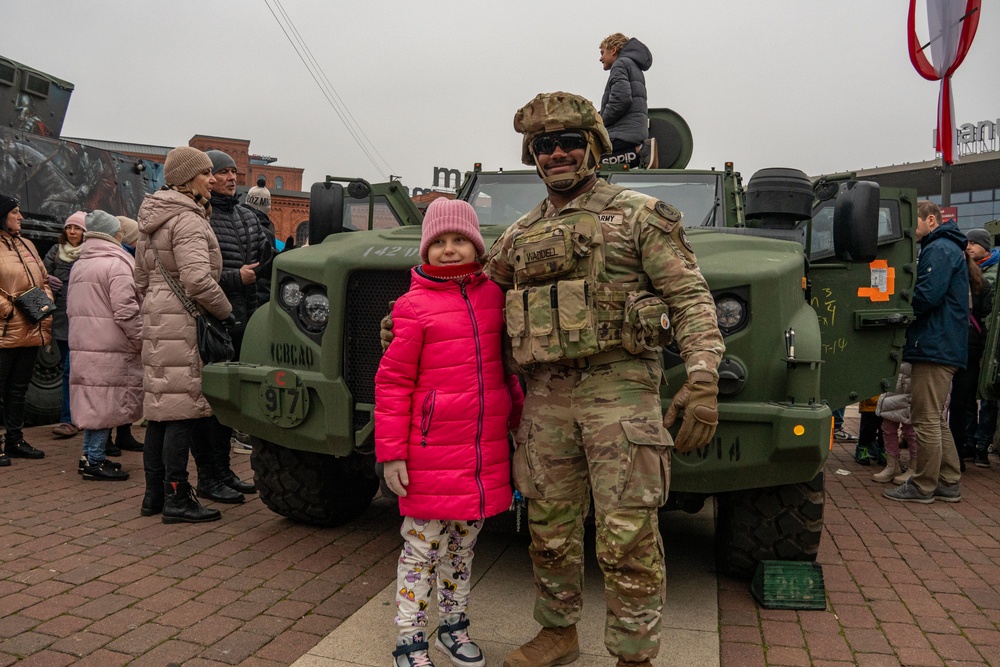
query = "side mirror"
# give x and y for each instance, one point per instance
(855, 222)
(326, 211)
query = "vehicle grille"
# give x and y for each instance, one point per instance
(368, 297)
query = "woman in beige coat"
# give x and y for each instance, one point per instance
(174, 222)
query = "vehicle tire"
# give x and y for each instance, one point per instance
(43, 402)
(313, 488)
(772, 523)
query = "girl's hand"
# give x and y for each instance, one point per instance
(396, 477)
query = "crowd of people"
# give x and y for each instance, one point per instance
(112, 294)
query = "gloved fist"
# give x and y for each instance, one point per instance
(385, 333)
(54, 282)
(698, 398)
(395, 476)
(229, 322)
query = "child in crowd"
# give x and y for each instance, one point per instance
(443, 408)
(894, 408)
(870, 447)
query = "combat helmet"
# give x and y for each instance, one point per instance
(552, 112)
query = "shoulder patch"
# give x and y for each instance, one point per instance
(667, 211)
(684, 240)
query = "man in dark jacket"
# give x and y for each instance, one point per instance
(936, 346)
(623, 107)
(245, 248)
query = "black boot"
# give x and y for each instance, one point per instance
(23, 450)
(125, 440)
(210, 486)
(181, 506)
(230, 479)
(152, 502)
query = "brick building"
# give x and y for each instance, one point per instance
(289, 205)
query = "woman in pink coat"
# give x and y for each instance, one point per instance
(105, 342)
(443, 407)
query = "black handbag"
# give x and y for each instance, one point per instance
(35, 304)
(214, 342)
(215, 345)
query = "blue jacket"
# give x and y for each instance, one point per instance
(623, 106)
(940, 333)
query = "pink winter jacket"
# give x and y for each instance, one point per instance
(105, 337)
(442, 402)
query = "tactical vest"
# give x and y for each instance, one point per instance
(563, 306)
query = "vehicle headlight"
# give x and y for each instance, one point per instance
(730, 312)
(290, 294)
(315, 310)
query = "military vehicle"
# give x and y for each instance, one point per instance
(811, 282)
(52, 178)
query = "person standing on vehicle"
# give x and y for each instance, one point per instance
(20, 339)
(176, 240)
(592, 408)
(936, 346)
(245, 249)
(59, 262)
(624, 109)
(443, 407)
(105, 342)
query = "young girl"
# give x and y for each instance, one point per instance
(894, 408)
(443, 407)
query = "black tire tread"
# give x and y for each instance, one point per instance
(771, 523)
(313, 488)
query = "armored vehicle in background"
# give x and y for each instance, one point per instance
(811, 283)
(52, 178)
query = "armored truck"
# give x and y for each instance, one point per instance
(811, 281)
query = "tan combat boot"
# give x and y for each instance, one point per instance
(551, 646)
(622, 662)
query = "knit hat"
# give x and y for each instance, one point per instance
(980, 237)
(259, 197)
(105, 223)
(451, 215)
(130, 230)
(79, 219)
(184, 163)
(7, 204)
(220, 161)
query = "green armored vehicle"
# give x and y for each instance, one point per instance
(811, 283)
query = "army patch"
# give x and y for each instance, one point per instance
(684, 240)
(612, 219)
(667, 211)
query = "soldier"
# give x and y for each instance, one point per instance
(595, 275)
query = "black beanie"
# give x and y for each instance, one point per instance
(7, 204)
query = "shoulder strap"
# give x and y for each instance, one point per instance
(602, 196)
(188, 303)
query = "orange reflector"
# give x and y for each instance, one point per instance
(799, 429)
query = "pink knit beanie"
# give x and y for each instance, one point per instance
(451, 215)
(79, 219)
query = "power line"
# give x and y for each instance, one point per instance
(328, 91)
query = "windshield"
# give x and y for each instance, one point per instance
(500, 199)
(695, 195)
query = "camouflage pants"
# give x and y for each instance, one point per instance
(597, 430)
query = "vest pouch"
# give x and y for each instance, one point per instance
(515, 313)
(577, 317)
(550, 248)
(541, 325)
(646, 323)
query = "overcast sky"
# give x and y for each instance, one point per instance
(820, 86)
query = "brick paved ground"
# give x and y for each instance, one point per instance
(85, 580)
(907, 584)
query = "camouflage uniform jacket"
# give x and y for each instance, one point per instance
(644, 239)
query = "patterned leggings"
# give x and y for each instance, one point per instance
(436, 554)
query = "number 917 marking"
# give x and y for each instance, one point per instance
(284, 398)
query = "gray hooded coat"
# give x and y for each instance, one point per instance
(623, 106)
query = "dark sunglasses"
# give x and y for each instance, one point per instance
(545, 144)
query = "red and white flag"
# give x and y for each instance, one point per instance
(952, 26)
